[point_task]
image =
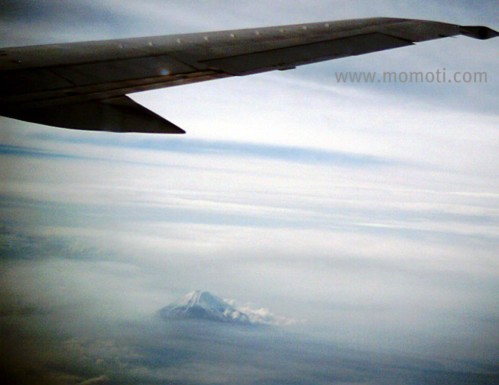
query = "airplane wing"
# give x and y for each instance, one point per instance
(84, 85)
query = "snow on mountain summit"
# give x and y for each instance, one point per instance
(204, 305)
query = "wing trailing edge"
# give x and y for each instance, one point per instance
(119, 114)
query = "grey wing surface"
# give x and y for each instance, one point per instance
(84, 85)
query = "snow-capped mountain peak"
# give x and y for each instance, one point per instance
(203, 305)
(201, 298)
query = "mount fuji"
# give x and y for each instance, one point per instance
(202, 305)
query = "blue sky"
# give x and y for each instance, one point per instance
(369, 213)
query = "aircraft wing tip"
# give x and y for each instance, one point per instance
(478, 32)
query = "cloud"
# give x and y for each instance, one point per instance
(96, 380)
(262, 315)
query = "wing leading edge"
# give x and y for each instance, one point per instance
(84, 85)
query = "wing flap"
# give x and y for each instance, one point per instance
(121, 70)
(120, 114)
(306, 53)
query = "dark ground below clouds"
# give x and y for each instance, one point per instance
(202, 353)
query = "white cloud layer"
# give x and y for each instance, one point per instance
(261, 315)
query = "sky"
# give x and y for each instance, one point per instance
(368, 214)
